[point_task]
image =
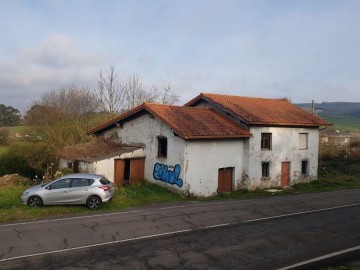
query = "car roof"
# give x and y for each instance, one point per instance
(83, 175)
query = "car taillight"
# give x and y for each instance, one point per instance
(104, 188)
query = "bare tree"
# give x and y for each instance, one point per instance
(111, 91)
(136, 93)
(167, 95)
(116, 96)
(71, 99)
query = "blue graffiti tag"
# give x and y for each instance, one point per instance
(161, 172)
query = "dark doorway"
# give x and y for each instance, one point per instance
(127, 172)
(76, 166)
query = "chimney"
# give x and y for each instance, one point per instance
(313, 107)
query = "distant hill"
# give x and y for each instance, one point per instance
(344, 115)
(334, 109)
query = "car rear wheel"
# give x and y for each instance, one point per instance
(94, 202)
(35, 201)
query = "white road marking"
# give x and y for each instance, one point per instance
(93, 245)
(321, 258)
(301, 213)
(218, 225)
(175, 232)
(68, 218)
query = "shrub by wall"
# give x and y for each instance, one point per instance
(27, 159)
(4, 136)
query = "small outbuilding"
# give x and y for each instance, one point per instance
(106, 157)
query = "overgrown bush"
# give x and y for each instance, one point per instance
(11, 163)
(330, 152)
(354, 151)
(27, 159)
(4, 136)
(339, 170)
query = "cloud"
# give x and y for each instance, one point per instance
(58, 51)
(52, 62)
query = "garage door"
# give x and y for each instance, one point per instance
(128, 171)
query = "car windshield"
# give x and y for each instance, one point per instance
(43, 184)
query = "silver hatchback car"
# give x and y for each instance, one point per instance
(79, 188)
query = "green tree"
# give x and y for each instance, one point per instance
(9, 116)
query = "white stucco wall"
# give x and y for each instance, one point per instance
(145, 130)
(285, 148)
(63, 163)
(203, 159)
(83, 166)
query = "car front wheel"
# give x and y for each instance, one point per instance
(35, 201)
(93, 202)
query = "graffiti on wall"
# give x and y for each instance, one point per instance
(163, 173)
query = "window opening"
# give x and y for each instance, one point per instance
(265, 169)
(162, 147)
(303, 141)
(265, 141)
(304, 167)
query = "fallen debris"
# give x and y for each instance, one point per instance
(273, 190)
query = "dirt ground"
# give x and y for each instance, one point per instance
(11, 179)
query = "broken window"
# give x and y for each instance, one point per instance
(265, 141)
(304, 167)
(162, 147)
(265, 169)
(303, 141)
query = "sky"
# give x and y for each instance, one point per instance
(300, 50)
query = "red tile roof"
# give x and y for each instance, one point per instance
(262, 111)
(187, 122)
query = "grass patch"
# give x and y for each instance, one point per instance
(327, 185)
(344, 123)
(354, 265)
(20, 129)
(241, 194)
(3, 149)
(145, 193)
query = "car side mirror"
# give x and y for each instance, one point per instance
(48, 187)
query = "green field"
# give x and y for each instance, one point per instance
(12, 133)
(344, 123)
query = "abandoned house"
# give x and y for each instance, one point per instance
(214, 143)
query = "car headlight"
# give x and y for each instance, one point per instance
(25, 193)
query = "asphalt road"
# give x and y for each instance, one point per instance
(266, 233)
